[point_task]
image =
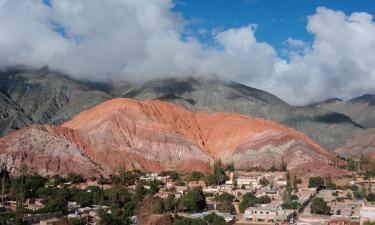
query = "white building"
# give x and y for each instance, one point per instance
(267, 214)
(367, 214)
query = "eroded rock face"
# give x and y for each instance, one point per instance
(155, 136)
(44, 150)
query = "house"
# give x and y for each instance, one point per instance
(342, 222)
(53, 221)
(34, 204)
(268, 214)
(367, 214)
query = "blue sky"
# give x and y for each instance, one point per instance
(276, 19)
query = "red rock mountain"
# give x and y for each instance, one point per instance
(155, 136)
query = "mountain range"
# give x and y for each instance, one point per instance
(43, 97)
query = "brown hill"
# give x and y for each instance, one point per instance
(154, 135)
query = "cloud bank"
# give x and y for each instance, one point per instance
(142, 40)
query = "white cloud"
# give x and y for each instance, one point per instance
(140, 40)
(296, 43)
(339, 63)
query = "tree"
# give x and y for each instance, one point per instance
(319, 206)
(170, 203)
(189, 221)
(292, 205)
(225, 201)
(231, 167)
(193, 201)
(225, 197)
(273, 167)
(214, 219)
(173, 175)
(140, 192)
(283, 165)
(195, 176)
(218, 177)
(370, 197)
(75, 178)
(315, 182)
(263, 181)
(295, 185)
(330, 184)
(250, 200)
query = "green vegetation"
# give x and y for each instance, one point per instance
(330, 184)
(250, 200)
(225, 200)
(363, 166)
(315, 182)
(195, 176)
(210, 219)
(214, 219)
(193, 201)
(189, 221)
(263, 181)
(170, 203)
(292, 205)
(295, 184)
(218, 177)
(319, 206)
(231, 167)
(371, 198)
(173, 175)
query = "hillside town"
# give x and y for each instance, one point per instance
(224, 196)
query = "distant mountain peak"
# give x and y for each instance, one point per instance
(366, 98)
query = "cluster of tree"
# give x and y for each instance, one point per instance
(263, 181)
(315, 182)
(73, 178)
(363, 166)
(282, 167)
(195, 176)
(319, 206)
(289, 200)
(225, 202)
(218, 177)
(193, 201)
(210, 219)
(250, 200)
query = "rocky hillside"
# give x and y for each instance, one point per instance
(155, 136)
(44, 97)
(361, 109)
(363, 143)
(327, 128)
(41, 97)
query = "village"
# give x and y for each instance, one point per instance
(227, 196)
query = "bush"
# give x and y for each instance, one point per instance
(293, 205)
(319, 206)
(193, 201)
(214, 219)
(75, 178)
(172, 174)
(330, 184)
(195, 176)
(316, 182)
(250, 200)
(189, 221)
(225, 197)
(263, 181)
(370, 197)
